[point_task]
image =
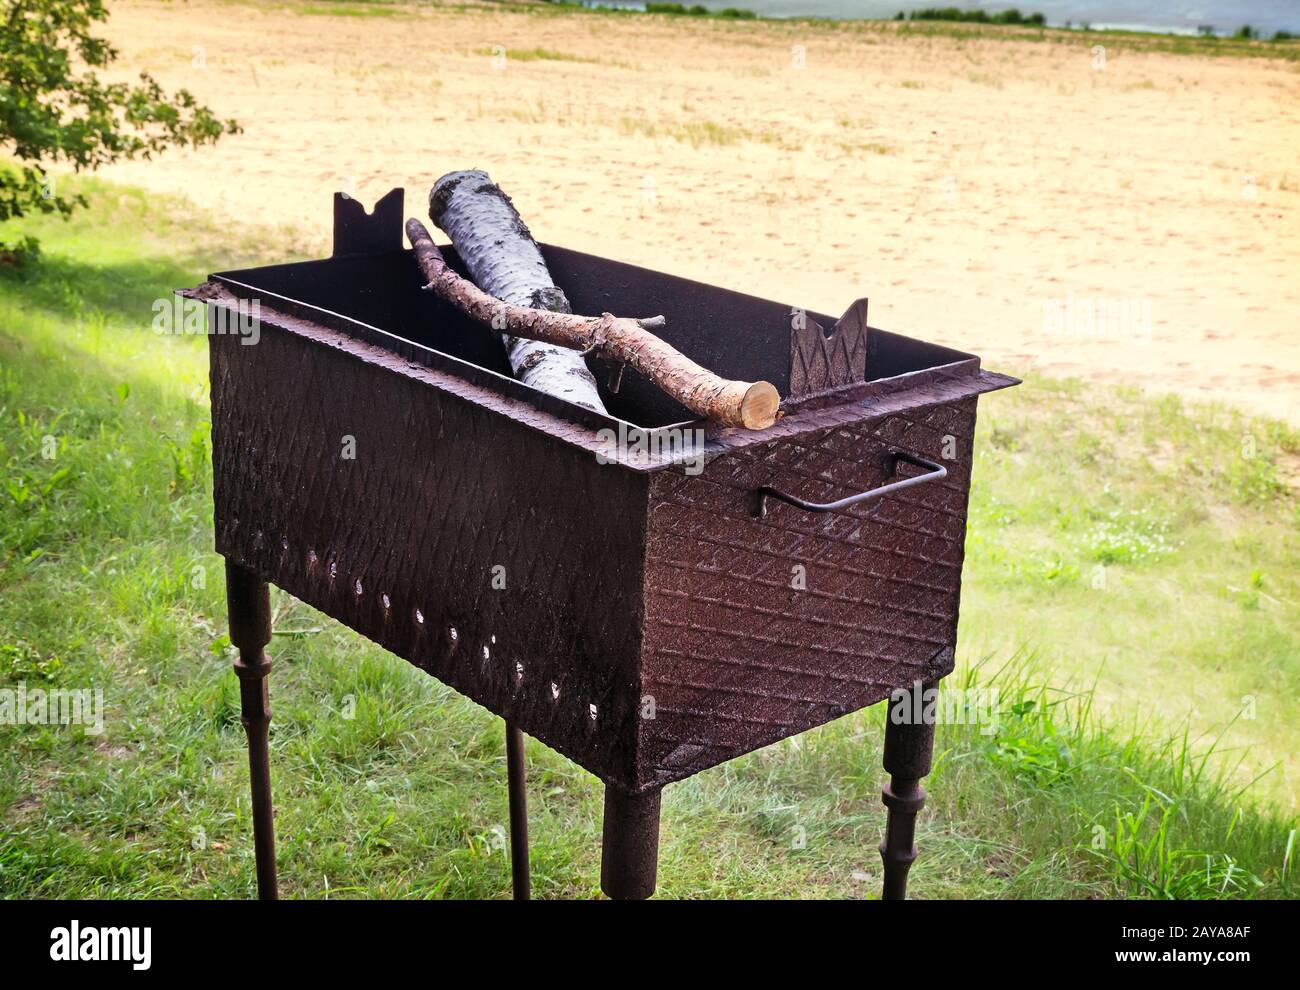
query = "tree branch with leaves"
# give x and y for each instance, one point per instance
(55, 110)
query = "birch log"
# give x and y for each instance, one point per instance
(505, 262)
(753, 405)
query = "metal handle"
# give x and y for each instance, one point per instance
(934, 473)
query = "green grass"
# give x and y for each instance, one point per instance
(359, 8)
(868, 147)
(389, 785)
(692, 132)
(1150, 547)
(536, 55)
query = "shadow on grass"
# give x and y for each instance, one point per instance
(124, 292)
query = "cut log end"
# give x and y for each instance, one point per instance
(758, 406)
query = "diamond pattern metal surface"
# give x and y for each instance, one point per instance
(652, 595)
(444, 503)
(757, 629)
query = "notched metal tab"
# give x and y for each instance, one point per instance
(821, 361)
(359, 232)
(204, 291)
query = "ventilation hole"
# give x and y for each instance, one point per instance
(555, 691)
(591, 711)
(419, 617)
(356, 586)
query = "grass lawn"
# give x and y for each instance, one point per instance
(1131, 591)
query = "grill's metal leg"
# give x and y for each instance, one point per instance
(908, 751)
(518, 812)
(629, 852)
(249, 600)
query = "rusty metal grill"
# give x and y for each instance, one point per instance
(649, 626)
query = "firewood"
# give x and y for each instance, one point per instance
(505, 262)
(623, 340)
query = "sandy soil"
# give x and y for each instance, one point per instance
(983, 193)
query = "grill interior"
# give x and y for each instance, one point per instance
(733, 334)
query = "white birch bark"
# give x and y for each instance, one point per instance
(504, 261)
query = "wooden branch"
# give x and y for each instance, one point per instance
(752, 405)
